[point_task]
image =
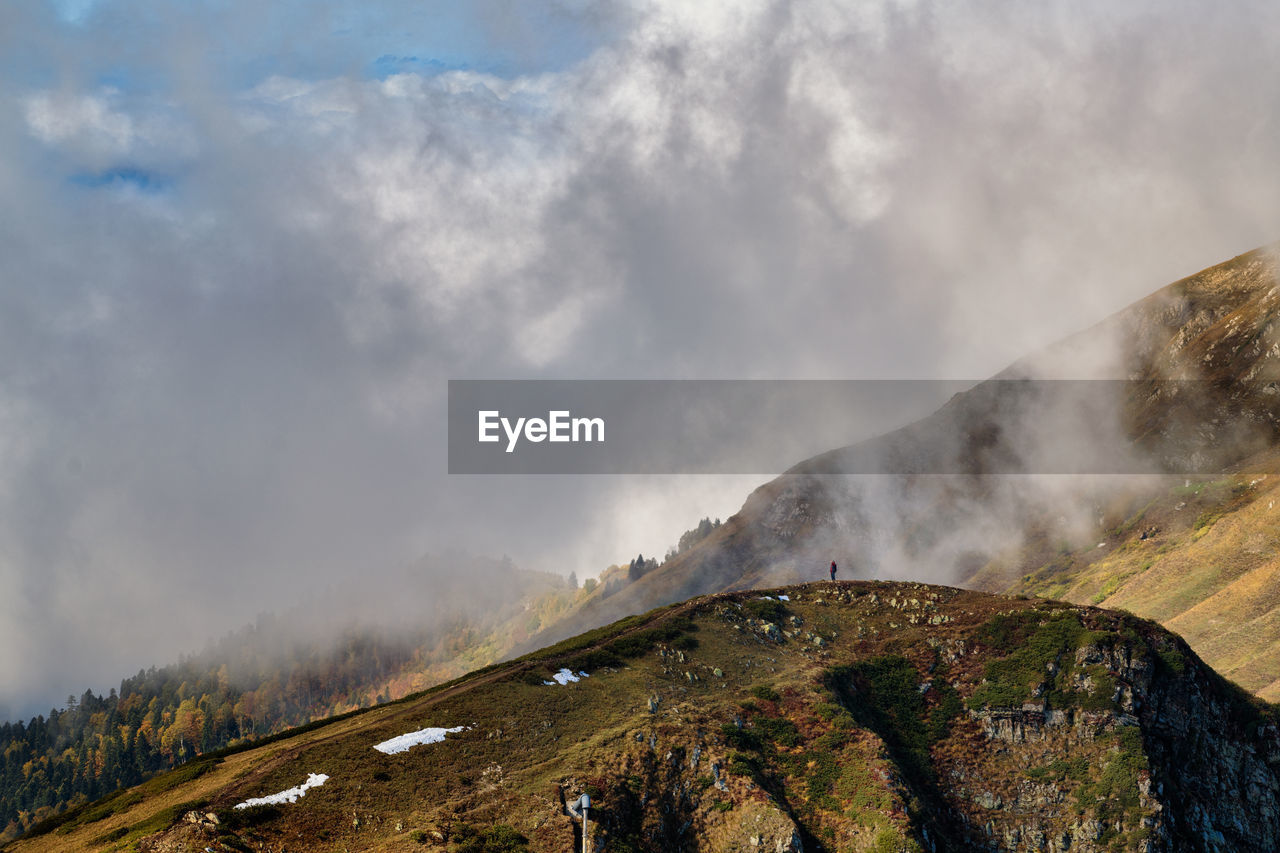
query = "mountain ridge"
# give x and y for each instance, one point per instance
(828, 716)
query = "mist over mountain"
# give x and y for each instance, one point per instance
(974, 490)
(970, 494)
(440, 617)
(246, 245)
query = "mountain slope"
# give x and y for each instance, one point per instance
(854, 716)
(1201, 557)
(1199, 362)
(344, 649)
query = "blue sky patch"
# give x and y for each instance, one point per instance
(73, 11)
(126, 42)
(389, 65)
(123, 177)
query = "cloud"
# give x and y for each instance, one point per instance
(58, 120)
(234, 388)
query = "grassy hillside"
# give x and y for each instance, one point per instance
(855, 716)
(281, 672)
(1202, 557)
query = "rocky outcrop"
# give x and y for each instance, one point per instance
(1199, 761)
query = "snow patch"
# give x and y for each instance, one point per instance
(412, 739)
(784, 598)
(314, 780)
(566, 675)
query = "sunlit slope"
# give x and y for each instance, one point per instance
(1200, 557)
(851, 716)
(1207, 566)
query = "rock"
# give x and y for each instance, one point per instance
(989, 801)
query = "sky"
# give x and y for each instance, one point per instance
(243, 247)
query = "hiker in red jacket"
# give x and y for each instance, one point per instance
(833, 569)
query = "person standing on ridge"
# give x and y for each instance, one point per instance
(833, 569)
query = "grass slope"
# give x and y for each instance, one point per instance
(1200, 557)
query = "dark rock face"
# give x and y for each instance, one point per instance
(1216, 767)
(1212, 780)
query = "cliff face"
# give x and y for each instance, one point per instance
(823, 717)
(1185, 764)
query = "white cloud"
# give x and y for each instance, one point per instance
(253, 380)
(86, 119)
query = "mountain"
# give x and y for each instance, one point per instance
(846, 716)
(1051, 479)
(1167, 411)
